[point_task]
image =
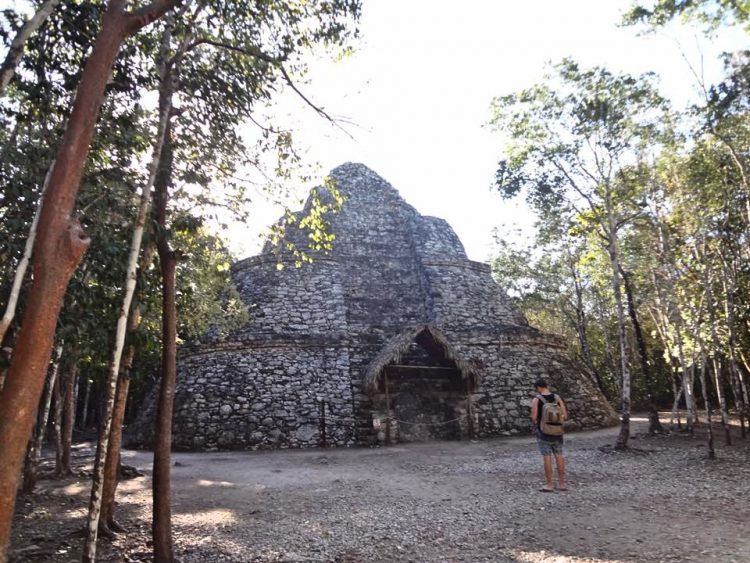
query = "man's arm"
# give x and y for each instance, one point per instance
(563, 410)
(534, 410)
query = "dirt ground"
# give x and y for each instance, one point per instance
(444, 501)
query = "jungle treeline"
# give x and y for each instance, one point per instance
(640, 253)
(131, 130)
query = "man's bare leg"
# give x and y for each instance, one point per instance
(560, 461)
(548, 473)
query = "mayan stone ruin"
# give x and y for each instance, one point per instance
(394, 336)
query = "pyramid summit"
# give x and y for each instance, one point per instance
(394, 336)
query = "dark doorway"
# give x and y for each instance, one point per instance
(423, 394)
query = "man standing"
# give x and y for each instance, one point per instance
(548, 412)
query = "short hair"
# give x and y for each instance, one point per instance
(540, 383)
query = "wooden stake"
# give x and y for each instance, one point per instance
(388, 409)
(469, 413)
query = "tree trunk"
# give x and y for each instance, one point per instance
(122, 326)
(57, 424)
(59, 248)
(31, 460)
(69, 411)
(707, 404)
(654, 424)
(720, 395)
(677, 319)
(112, 464)
(675, 406)
(581, 327)
(738, 389)
(15, 52)
(687, 383)
(10, 308)
(162, 496)
(737, 395)
(86, 400)
(624, 436)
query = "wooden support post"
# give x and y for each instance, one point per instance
(323, 440)
(388, 409)
(469, 411)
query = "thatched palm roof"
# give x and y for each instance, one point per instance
(394, 349)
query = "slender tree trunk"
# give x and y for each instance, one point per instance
(720, 395)
(654, 424)
(15, 52)
(581, 327)
(743, 385)
(660, 318)
(162, 495)
(736, 156)
(687, 384)
(122, 326)
(69, 411)
(15, 292)
(59, 248)
(112, 464)
(624, 436)
(675, 406)
(735, 376)
(707, 404)
(86, 400)
(737, 395)
(677, 319)
(57, 423)
(35, 449)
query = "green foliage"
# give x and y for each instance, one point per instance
(228, 60)
(614, 173)
(313, 223)
(208, 303)
(711, 13)
(576, 140)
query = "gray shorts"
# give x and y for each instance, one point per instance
(549, 448)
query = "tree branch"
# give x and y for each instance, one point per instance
(142, 17)
(276, 62)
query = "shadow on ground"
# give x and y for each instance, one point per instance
(445, 501)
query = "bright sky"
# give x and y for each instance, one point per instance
(419, 86)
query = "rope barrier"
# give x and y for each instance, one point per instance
(429, 423)
(333, 417)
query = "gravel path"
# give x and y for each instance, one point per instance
(444, 501)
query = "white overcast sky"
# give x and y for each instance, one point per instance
(417, 91)
(419, 86)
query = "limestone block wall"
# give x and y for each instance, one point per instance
(465, 296)
(461, 292)
(291, 301)
(437, 241)
(511, 364)
(314, 331)
(264, 396)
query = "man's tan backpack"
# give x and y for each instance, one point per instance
(551, 419)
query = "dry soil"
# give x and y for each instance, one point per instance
(443, 501)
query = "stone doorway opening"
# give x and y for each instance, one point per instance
(421, 390)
